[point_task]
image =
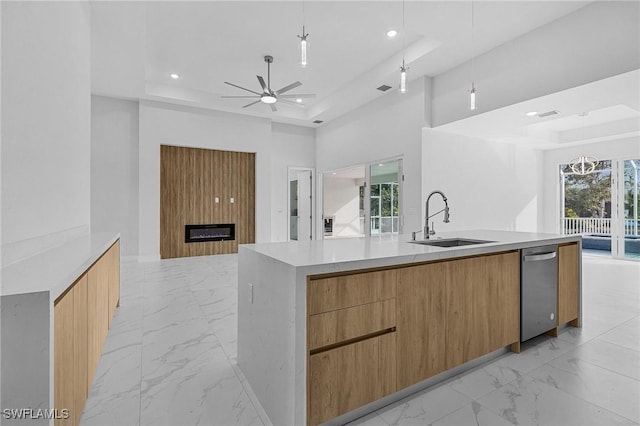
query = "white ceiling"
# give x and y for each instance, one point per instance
(612, 108)
(209, 42)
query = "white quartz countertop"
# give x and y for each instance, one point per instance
(376, 251)
(56, 269)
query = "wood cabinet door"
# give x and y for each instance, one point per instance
(63, 357)
(351, 376)
(97, 313)
(81, 346)
(568, 284)
(113, 256)
(483, 306)
(421, 322)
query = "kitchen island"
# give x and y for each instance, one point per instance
(328, 330)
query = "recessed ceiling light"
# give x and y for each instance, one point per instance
(531, 113)
(334, 173)
(380, 165)
(392, 33)
(298, 100)
(174, 76)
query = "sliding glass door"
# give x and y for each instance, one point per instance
(630, 209)
(385, 197)
(603, 207)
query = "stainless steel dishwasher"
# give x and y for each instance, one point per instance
(539, 290)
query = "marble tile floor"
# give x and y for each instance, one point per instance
(169, 359)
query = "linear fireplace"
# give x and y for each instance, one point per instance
(209, 232)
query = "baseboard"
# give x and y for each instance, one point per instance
(149, 258)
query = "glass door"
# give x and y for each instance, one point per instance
(385, 192)
(630, 209)
(301, 201)
(586, 206)
(603, 206)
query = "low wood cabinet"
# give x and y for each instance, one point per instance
(351, 342)
(82, 316)
(373, 333)
(569, 284)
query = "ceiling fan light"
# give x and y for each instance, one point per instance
(268, 99)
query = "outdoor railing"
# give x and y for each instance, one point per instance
(595, 225)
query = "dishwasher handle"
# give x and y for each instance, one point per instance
(539, 257)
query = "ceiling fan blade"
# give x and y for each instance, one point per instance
(301, 96)
(239, 87)
(240, 97)
(289, 87)
(252, 103)
(300, 104)
(273, 107)
(262, 84)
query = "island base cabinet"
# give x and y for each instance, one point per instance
(350, 376)
(569, 284)
(451, 312)
(483, 306)
(64, 359)
(81, 319)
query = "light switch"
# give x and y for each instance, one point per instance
(251, 293)
(232, 200)
(216, 199)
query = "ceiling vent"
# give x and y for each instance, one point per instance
(548, 113)
(384, 88)
(317, 121)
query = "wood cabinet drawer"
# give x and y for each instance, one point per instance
(344, 324)
(329, 294)
(351, 376)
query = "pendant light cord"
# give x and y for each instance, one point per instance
(403, 32)
(473, 72)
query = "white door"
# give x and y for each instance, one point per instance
(304, 206)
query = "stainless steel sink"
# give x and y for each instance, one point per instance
(450, 242)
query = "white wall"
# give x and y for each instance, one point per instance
(165, 124)
(114, 170)
(598, 41)
(621, 149)
(293, 146)
(342, 200)
(489, 185)
(387, 127)
(46, 86)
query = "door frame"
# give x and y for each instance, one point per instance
(292, 171)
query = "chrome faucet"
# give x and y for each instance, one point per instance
(427, 231)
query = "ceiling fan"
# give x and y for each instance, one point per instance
(269, 96)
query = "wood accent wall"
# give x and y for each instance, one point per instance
(190, 179)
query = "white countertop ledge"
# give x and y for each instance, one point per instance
(355, 253)
(56, 269)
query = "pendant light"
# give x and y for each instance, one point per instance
(303, 47)
(472, 93)
(403, 67)
(583, 165)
